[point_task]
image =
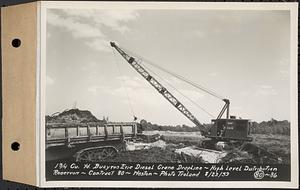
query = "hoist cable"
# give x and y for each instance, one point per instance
(202, 88)
(174, 88)
(123, 83)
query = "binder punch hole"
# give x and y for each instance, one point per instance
(16, 42)
(15, 146)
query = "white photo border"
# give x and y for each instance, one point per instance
(41, 73)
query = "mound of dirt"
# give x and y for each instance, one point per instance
(72, 116)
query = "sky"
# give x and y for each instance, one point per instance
(242, 55)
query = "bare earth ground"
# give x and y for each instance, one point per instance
(265, 145)
(276, 144)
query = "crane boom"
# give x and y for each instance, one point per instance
(159, 87)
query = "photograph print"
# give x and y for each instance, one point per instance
(168, 87)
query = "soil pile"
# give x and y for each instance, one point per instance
(72, 116)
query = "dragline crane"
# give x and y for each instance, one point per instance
(222, 129)
(158, 86)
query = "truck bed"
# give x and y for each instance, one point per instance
(59, 134)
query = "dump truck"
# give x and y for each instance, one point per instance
(91, 141)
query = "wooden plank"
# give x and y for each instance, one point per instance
(86, 139)
(19, 92)
(97, 130)
(66, 132)
(90, 123)
(105, 130)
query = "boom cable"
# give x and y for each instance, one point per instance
(174, 88)
(202, 88)
(123, 83)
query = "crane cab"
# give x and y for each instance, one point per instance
(230, 129)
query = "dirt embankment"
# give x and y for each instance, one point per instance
(72, 116)
(278, 144)
(266, 149)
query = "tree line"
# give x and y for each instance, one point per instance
(271, 127)
(148, 126)
(266, 127)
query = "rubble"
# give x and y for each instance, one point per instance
(132, 146)
(194, 154)
(206, 155)
(237, 156)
